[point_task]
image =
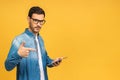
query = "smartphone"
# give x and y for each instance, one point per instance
(58, 61)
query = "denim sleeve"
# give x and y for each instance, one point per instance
(13, 58)
(49, 61)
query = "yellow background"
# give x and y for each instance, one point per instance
(86, 31)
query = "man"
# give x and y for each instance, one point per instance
(27, 51)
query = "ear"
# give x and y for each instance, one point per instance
(28, 19)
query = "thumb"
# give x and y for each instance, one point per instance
(22, 44)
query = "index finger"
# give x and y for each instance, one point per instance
(31, 49)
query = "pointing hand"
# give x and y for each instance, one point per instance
(24, 51)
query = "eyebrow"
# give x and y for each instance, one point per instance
(38, 19)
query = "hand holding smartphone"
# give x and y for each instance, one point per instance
(57, 61)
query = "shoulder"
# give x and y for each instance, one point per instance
(18, 39)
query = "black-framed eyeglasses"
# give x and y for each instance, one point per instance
(36, 21)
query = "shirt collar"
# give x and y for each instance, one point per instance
(30, 33)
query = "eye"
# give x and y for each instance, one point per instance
(36, 21)
(41, 20)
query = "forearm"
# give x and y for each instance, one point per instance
(49, 62)
(12, 61)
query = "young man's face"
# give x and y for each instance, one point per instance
(36, 22)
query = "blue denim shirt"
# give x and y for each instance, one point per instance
(27, 68)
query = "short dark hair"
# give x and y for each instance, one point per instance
(36, 10)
